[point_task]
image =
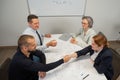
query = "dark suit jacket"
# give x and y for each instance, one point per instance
(103, 62)
(24, 68)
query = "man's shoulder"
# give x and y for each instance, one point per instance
(18, 56)
(28, 31)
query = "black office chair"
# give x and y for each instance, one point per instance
(116, 64)
(118, 77)
(4, 69)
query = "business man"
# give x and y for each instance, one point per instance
(32, 29)
(22, 66)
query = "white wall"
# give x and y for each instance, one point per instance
(12, 20)
(13, 13)
(106, 14)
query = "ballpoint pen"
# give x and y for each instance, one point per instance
(85, 76)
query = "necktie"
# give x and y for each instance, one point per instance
(39, 37)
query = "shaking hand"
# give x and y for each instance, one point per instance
(73, 55)
(66, 58)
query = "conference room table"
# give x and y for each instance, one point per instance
(75, 69)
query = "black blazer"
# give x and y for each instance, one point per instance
(103, 62)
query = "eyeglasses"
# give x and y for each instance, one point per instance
(84, 23)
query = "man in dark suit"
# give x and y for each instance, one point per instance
(22, 66)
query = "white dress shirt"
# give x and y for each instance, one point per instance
(30, 31)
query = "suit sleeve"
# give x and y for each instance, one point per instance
(36, 66)
(84, 51)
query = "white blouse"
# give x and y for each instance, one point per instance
(86, 39)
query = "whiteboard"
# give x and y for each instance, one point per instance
(57, 7)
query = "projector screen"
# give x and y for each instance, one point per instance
(57, 7)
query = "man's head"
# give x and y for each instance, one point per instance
(27, 43)
(33, 21)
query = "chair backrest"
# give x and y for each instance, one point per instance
(116, 64)
(4, 69)
(118, 78)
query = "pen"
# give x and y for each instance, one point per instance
(85, 76)
(73, 37)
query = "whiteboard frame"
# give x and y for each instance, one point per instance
(51, 11)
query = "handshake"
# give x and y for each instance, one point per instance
(68, 57)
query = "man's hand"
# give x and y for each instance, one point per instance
(52, 43)
(48, 35)
(66, 58)
(74, 41)
(41, 74)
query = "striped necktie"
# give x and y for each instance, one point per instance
(39, 37)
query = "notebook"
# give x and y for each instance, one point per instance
(65, 36)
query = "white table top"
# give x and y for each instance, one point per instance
(75, 69)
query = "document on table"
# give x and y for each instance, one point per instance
(75, 69)
(65, 36)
